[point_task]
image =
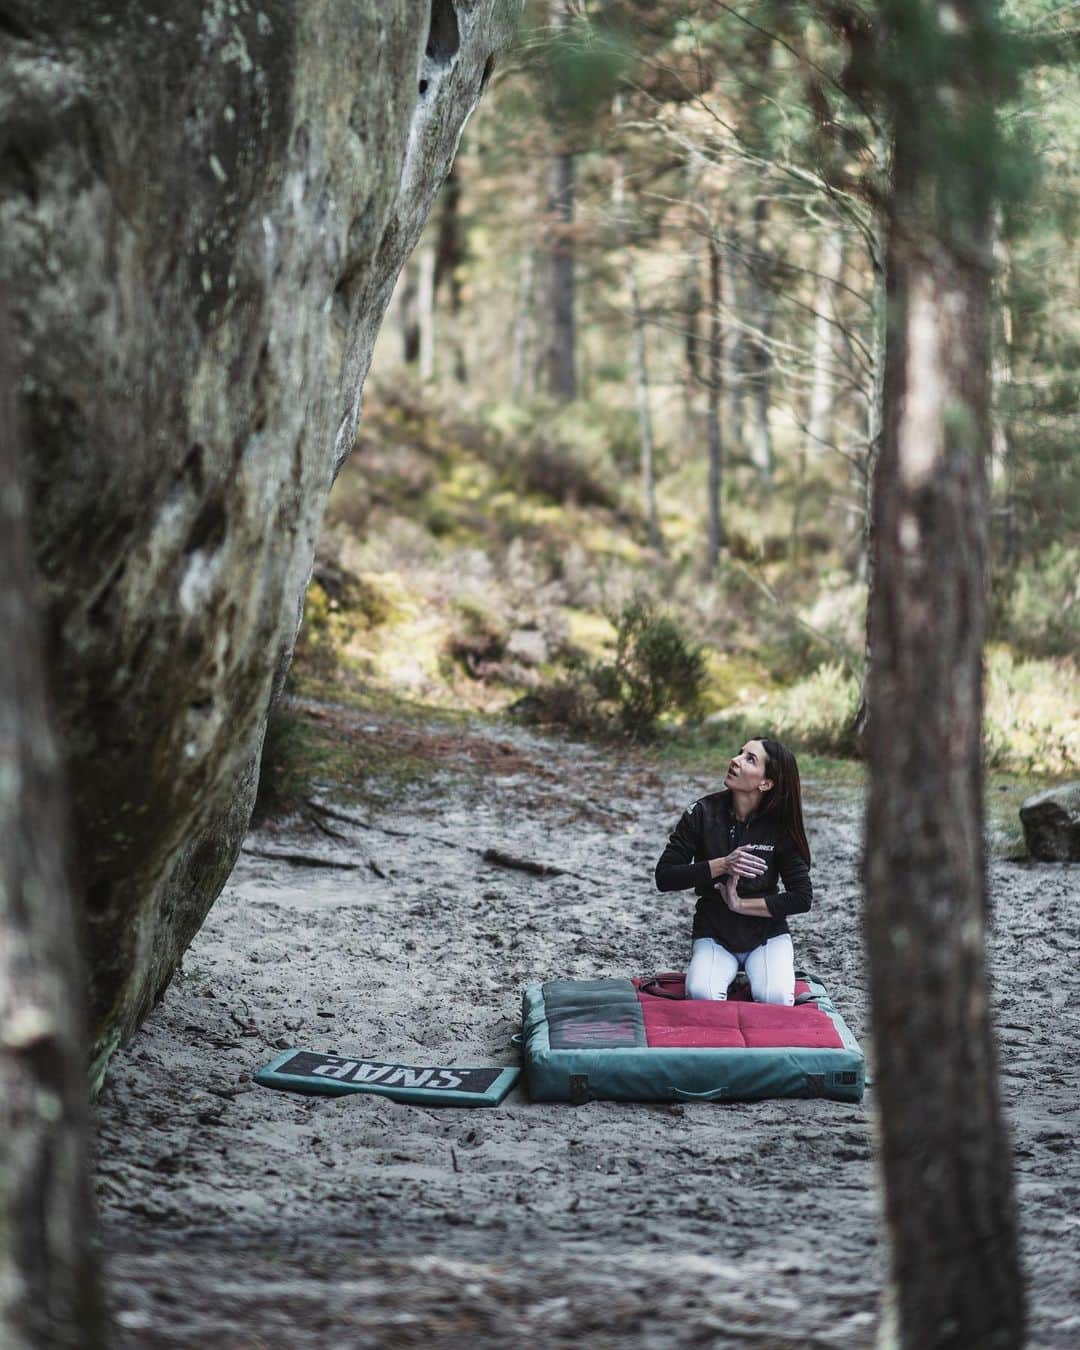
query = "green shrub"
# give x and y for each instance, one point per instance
(337, 605)
(656, 669)
(1031, 722)
(1037, 606)
(322, 635)
(817, 713)
(793, 654)
(814, 714)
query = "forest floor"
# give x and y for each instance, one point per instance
(235, 1216)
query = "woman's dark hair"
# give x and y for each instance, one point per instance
(784, 798)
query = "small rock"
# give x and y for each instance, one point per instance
(1051, 822)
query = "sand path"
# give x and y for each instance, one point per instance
(235, 1216)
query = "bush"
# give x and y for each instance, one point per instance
(352, 600)
(815, 714)
(1032, 717)
(1037, 607)
(337, 605)
(321, 637)
(656, 669)
(1031, 723)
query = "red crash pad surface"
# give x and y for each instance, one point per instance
(674, 1020)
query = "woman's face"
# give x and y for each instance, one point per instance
(746, 772)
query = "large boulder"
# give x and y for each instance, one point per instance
(203, 209)
(1051, 822)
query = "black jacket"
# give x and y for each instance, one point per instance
(709, 829)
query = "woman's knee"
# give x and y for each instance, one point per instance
(701, 981)
(705, 975)
(772, 973)
(774, 988)
(700, 985)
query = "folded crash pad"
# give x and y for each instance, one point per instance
(336, 1075)
(643, 1040)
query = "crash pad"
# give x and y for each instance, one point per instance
(643, 1040)
(336, 1075)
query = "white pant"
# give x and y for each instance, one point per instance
(770, 969)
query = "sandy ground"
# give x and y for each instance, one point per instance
(242, 1217)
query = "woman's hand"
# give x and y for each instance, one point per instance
(740, 862)
(729, 890)
(755, 905)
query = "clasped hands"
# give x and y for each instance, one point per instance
(740, 862)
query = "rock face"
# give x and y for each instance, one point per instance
(203, 209)
(1051, 822)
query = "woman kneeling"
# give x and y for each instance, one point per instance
(735, 847)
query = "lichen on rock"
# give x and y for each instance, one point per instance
(203, 212)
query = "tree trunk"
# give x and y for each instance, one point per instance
(637, 324)
(716, 445)
(408, 327)
(692, 297)
(820, 412)
(762, 307)
(641, 379)
(49, 1291)
(523, 323)
(874, 409)
(864, 474)
(734, 344)
(426, 312)
(692, 343)
(561, 362)
(944, 1149)
(449, 260)
(830, 274)
(1004, 449)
